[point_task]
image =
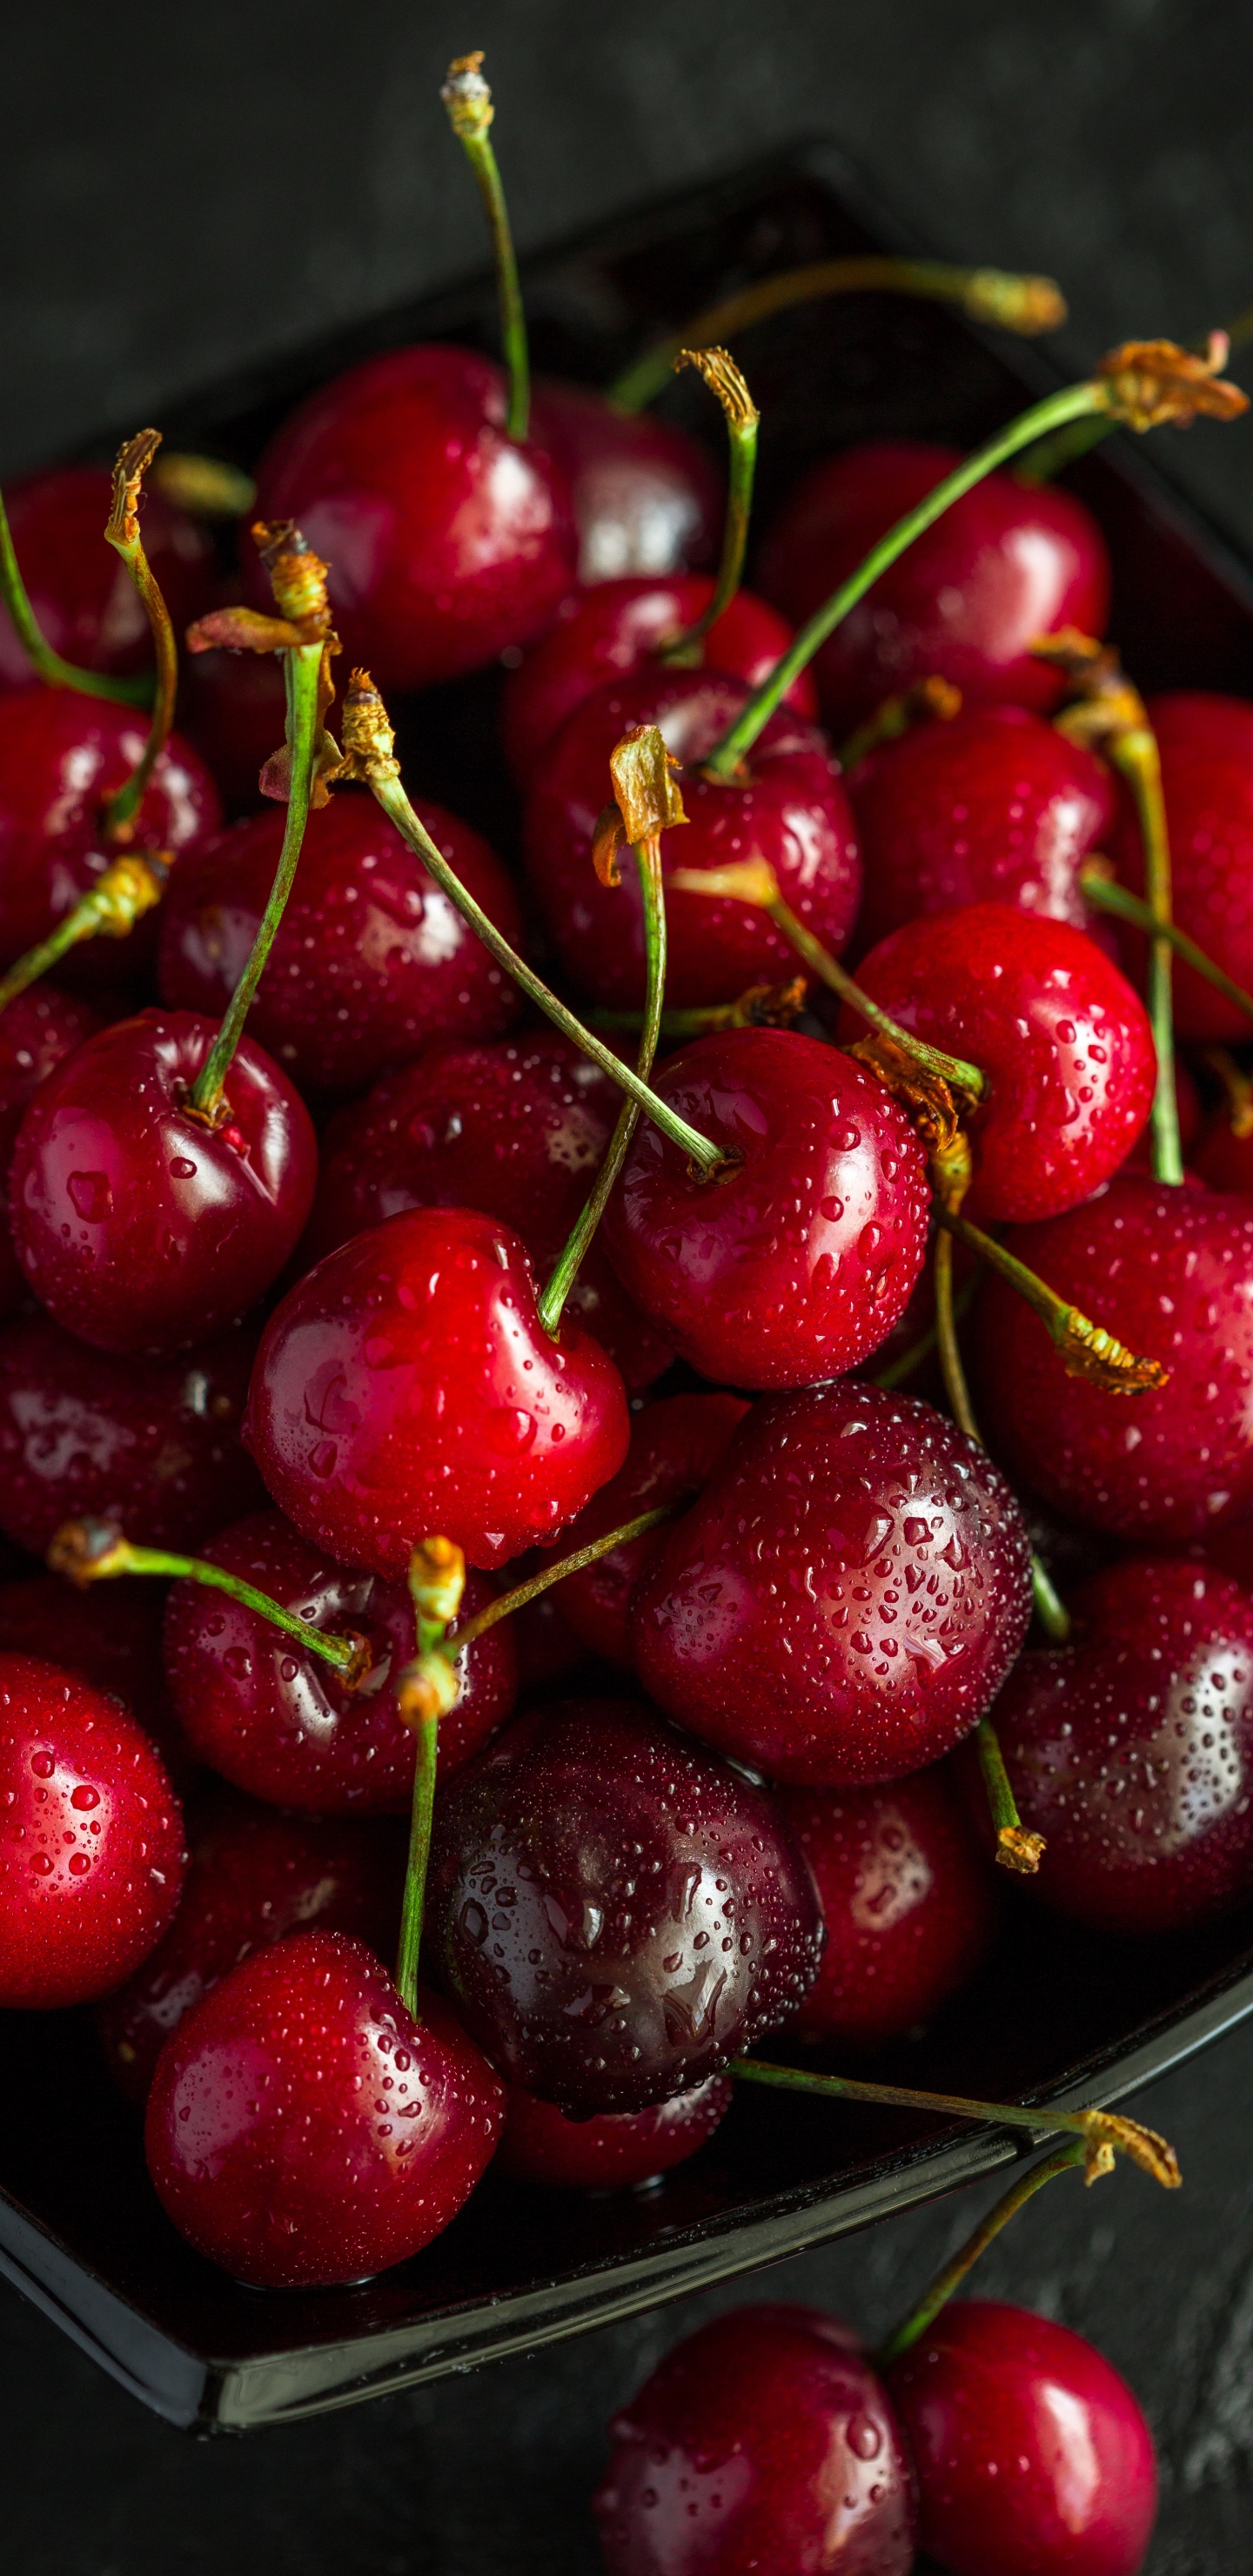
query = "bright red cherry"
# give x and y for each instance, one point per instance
(282, 1724)
(1206, 747)
(615, 1914)
(86, 605)
(1032, 2455)
(620, 2149)
(447, 541)
(966, 602)
(1063, 1042)
(91, 1839)
(646, 497)
(407, 1387)
(140, 1225)
(847, 1596)
(371, 960)
(795, 1261)
(676, 1446)
(303, 2129)
(39, 1027)
(790, 809)
(763, 2445)
(109, 1636)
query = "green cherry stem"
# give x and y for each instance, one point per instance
(470, 112)
(93, 1551)
(1134, 754)
(425, 1691)
(46, 664)
(113, 903)
(1108, 896)
(953, 2273)
(506, 1603)
(1050, 457)
(723, 379)
(123, 535)
(1102, 2130)
(1016, 1849)
(1087, 1348)
(1053, 1617)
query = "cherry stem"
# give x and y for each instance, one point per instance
(1016, 1849)
(126, 890)
(1087, 1348)
(506, 1603)
(1133, 751)
(1053, 1618)
(989, 295)
(90, 1551)
(1102, 2130)
(436, 1581)
(413, 1903)
(207, 487)
(931, 700)
(1053, 455)
(1107, 896)
(761, 1006)
(469, 103)
(122, 533)
(724, 379)
(953, 2273)
(47, 665)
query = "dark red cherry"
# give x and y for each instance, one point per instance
(1031, 2453)
(1221, 1154)
(141, 1226)
(232, 706)
(548, 1650)
(615, 1914)
(847, 1596)
(763, 2445)
(995, 806)
(1206, 747)
(615, 628)
(371, 960)
(38, 1028)
(1063, 1042)
(789, 809)
(152, 1444)
(282, 1723)
(109, 1635)
(907, 1900)
(91, 1839)
(620, 2149)
(517, 1130)
(407, 1387)
(646, 497)
(447, 541)
(252, 1877)
(303, 2129)
(1170, 1272)
(965, 602)
(86, 605)
(676, 1446)
(797, 1260)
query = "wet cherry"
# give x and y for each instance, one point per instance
(620, 2149)
(85, 603)
(1206, 747)
(39, 1028)
(646, 498)
(676, 1446)
(109, 1636)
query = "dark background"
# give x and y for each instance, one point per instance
(186, 192)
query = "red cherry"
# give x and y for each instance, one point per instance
(232, 708)
(38, 1028)
(614, 1913)
(406, 1387)
(1063, 1041)
(847, 1596)
(1210, 1163)
(615, 628)
(1206, 747)
(141, 1227)
(282, 1724)
(109, 1636)
(795, 1262)
(1033, 2457)
(86, 605)
(791, 810)
(370, 961)
(447, 541)
(548, 1650)
(966, 602)
(91, 1839)
(1170, 1272)
(676, 1446)
(303, 2129)
(763, 2445)
(908, 1904)
(646, 497)
(622, 2148)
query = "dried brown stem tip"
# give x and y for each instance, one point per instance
(723, 378)
(297, 577)
(366, 734)
(437, 1578)
(1146, 383)
(467, 98)
(133, 460)
(1020, 1851)
(427, 1689)
(1089, 1351)
(82, 1549)
(1108, 2130)
(648, 802)
(927, 1099)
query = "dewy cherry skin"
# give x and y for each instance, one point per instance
(37, 1029)
(616, 2152)
(676, 1445)
(646, 498)
(1205, 743)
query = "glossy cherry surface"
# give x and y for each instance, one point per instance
(406, 1387)
(614, 1913)
(797, 1259)
(646, 498)
(91, 1839)
(371, 960)
(1206, 746)
(1062, 1041)
(304, 2130)
(764, 2444)
(846, 1597)
(542, 2144)
(1032, 2455)
(790, 809)
(676, 1446)
(39, 1027)
(965, 602)
(86, 605)
(447, 541)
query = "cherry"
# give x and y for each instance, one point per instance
(789, 810)
(847, 1596)
(283, 1724)
(152, 1445)
(91, 1839)
(614, 1913)
(303, 2129)
(797, 1260)
(85, 604)
(646, 497)
(908, 1904)
(110, 1638)
(764, 2442)
(993, 806)
(1205, 743)
(967, 601)
(407, 1386)
(370, 961)
(1170, 1271)
(542, 2144)
(232, 707)
(547, 1649)
(140, 1225)
(1032, 2455)
(37, 1029)
(448, 541)
(1063, 1042)
(676, 1446)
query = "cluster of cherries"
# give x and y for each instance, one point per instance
(312, 1317)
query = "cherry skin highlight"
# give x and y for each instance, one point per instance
(406, 1386)
(1032, 2455)
(85, 604)
(676, 1446)
(91, 1839)
(1206, 746)
(646, 498)
(614, 1914)
(39, 1028)
(304, 2130)
(764, 2444)
(621, 2149)
(796, 1260)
